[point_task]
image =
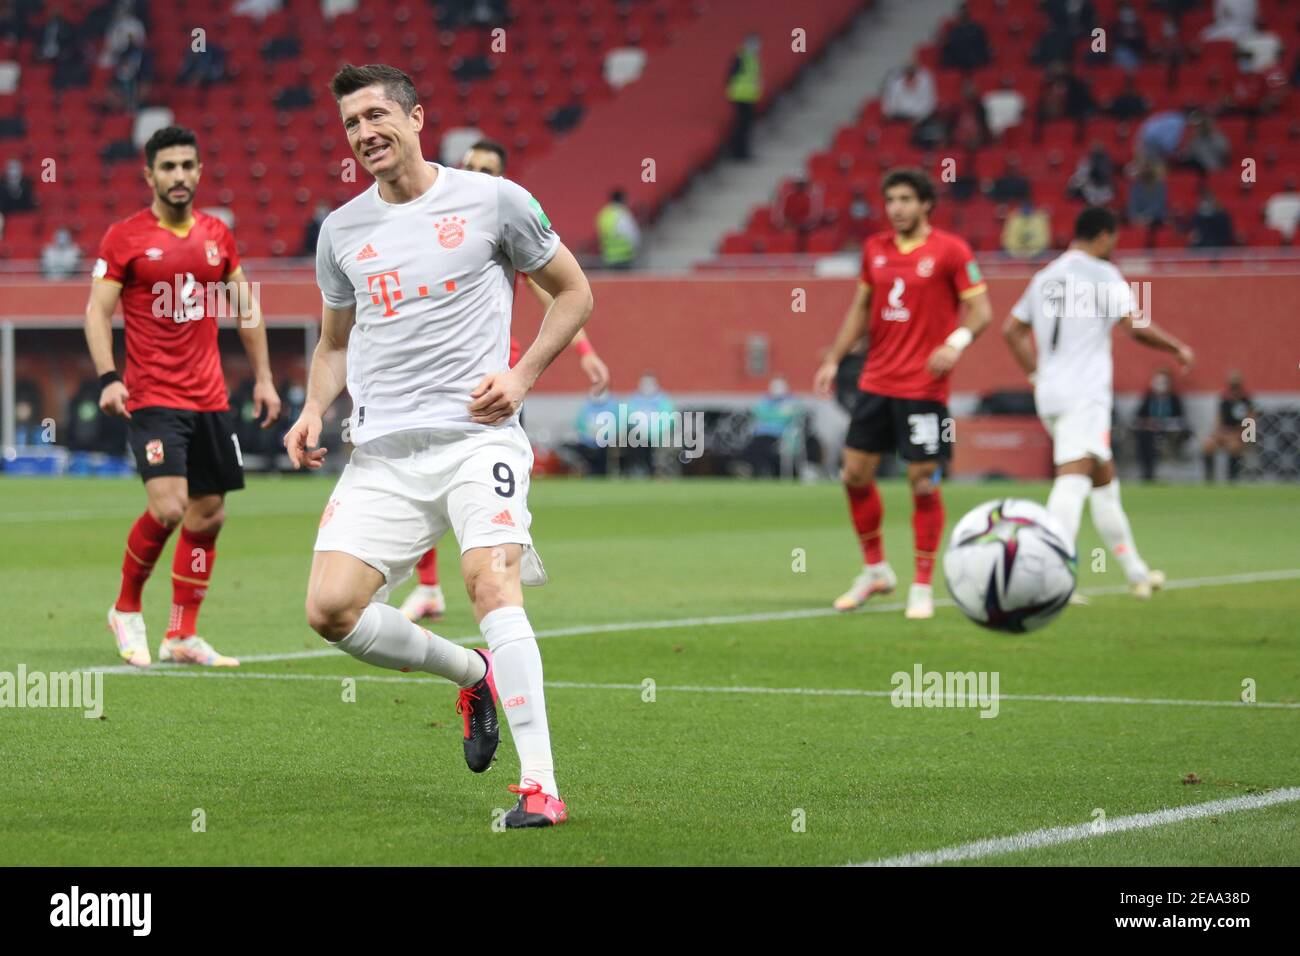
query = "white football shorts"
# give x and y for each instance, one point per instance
(1082, 431)
(400, 493)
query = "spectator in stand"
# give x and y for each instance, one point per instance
(60, 257)
(15, 19)
(1093, 180)
(61, 43)
(132, 76)
(1158, 422)
(1211, 225)
(1206, 148)
(1148, 196)
(1129, 103)
(967, 121)
(1027, 231)
(966, 45)
(799, 207)
(1255, 94)
(16, 189)
(1171, 50)
(1160, 134)
(124, 28)
(257, 9)
(858, 217)
(1056, 44)
(1064, 96)
(203, 67)
(1127, 38)
(1235, 408)
(1078, 18)
(1282, 210)
(1010, 185)
(1233, 20)
(908, 94)
(311, 234)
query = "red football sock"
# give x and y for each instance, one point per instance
(927, 532)
(427, 567)
(867, 512)
(143, 545)
(191, 569)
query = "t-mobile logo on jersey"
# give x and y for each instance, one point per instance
(896, 311)
(390, 290)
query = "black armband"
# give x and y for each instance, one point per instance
(108, 378)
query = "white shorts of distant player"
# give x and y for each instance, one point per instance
(401, 493)
(1082, 431)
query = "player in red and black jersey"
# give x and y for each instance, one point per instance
(921, 302)
(427, 600)
(175, 271)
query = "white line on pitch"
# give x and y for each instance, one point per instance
(1251, 577)
(1035, 839)
(689, 689)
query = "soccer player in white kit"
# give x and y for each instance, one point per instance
(417, 277)
(1068, 312)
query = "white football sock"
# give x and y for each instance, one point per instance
(517, 666)
(384, 637)
(1112, 524)
(1069, 493)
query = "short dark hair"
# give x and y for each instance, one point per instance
(617, 195)
(920, 183)
(397, 85)
(492, 146)
(168, 136)
(1093, 221)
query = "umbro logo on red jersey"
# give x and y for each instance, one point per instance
(367, 253)
(505, 519)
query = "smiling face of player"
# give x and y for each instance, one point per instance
(907, 214)
(174, 176)
(384, 138)
(482, 161)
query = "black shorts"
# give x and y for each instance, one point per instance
(200, 447)
(920, 430)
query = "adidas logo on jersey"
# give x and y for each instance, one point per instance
(367, 253)
(504, 519)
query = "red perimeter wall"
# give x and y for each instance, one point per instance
(691, 331)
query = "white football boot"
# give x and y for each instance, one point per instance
(873, 579)
(920, 603)
(192, 650)
(1155, 581)
(128, 628)
(425, 601)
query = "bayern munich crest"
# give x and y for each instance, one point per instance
(451, 231)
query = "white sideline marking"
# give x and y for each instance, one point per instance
(1035, 839)
(1251, 577)
(188, 671)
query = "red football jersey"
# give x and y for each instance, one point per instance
(915, 293)
(171, 340)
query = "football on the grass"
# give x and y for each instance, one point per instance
(1009, 566)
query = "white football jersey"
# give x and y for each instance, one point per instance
(433, 285)
(1073, 304)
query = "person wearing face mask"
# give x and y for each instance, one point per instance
(650, 401)
(1235, 408)
(1159, 419)
(774, 418)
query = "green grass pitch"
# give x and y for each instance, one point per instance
(286, 772)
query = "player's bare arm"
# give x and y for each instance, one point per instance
(853, 330)
(99, 337)
(1152, 336)
(252, 335)
(976, 316)
(593, 367)
(499, 395)
(1019, 337)
(324, 383)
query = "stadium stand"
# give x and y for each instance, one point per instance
(1046, 118)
